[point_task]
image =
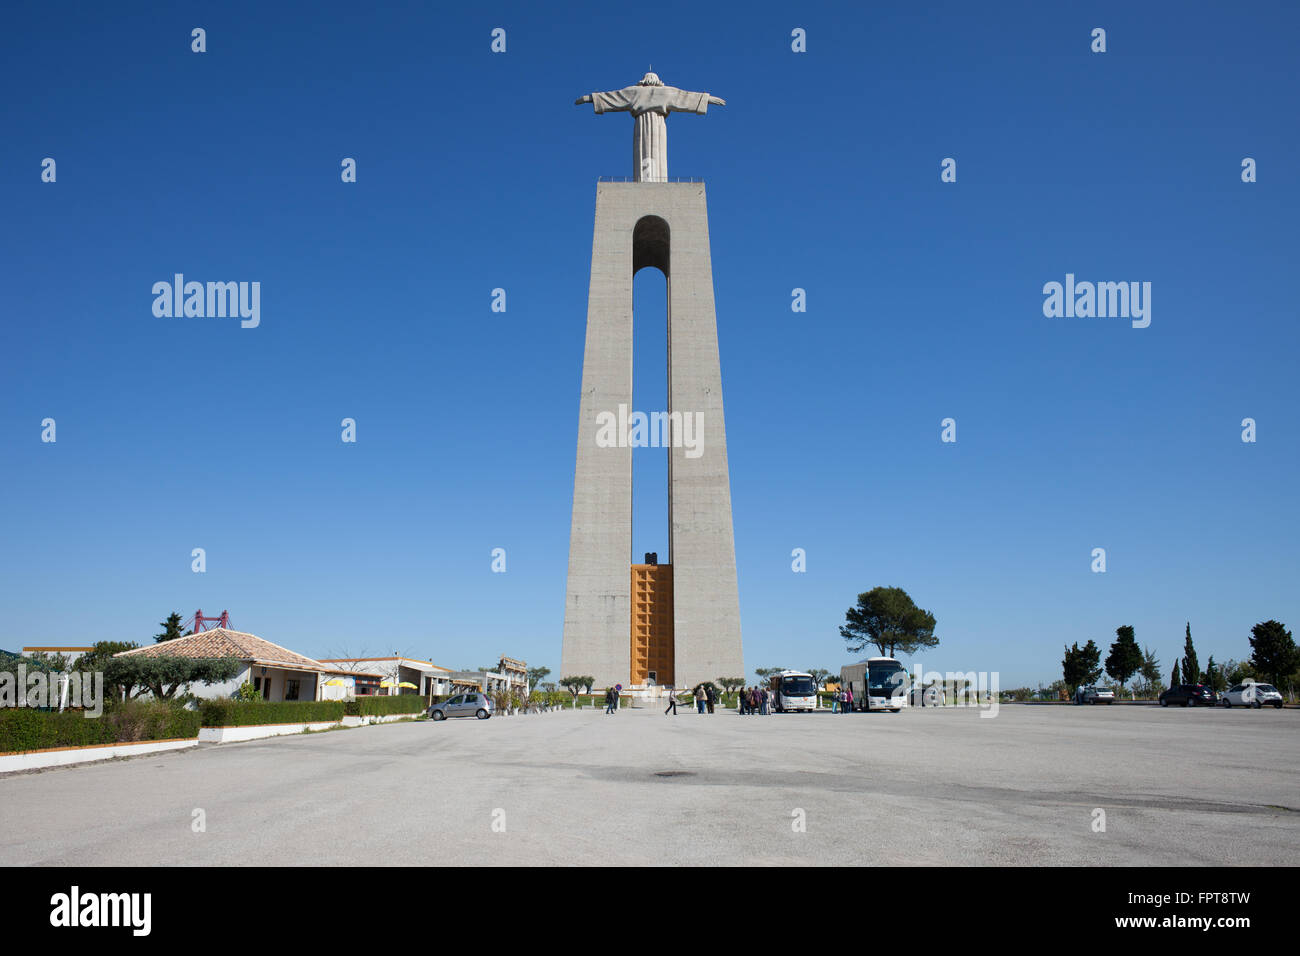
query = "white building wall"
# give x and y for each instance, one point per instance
(223, 689)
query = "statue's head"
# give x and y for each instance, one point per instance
(651, 79)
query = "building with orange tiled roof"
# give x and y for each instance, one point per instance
(274, 671)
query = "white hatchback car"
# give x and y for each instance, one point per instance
(1251, 694)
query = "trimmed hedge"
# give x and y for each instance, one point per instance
(241, 713)
(23, 729)
(383, 706)
(152, 720)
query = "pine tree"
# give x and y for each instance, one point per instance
(171, 629)
(1070, 669)
(1150, 669)
(1090, 663)
(1191, 666)
(1273, 651)
(1125, 656)
(1176, 677)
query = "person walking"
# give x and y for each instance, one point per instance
(617, 690)
(609, 701)
(672, 703)
(708, 696)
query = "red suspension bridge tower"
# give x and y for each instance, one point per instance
(200, 623)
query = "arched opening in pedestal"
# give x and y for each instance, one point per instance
(652, 651)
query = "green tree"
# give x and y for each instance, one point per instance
(536, 675)
(43, 661)
(99, 658)
(164, 676)
(889, 620)
(1071, 668)
(1090, 660)
(1214, 675)
(1191, 666)
(731, 684)
(1150, 669)
(766, 672)
(577, 683)
(1081, 666)
(1125, 656)
(1273, 651)
(1237, 672)
(1176, 677)
(171, 629)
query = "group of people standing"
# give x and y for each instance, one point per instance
(754, 700)
(705, 697)
(611, 700)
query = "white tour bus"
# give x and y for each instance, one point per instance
(878, 683)
(793, 690)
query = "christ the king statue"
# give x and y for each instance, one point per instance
(650, 102)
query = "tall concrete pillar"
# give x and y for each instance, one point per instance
(664, 225)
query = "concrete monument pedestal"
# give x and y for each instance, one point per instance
(652, 223)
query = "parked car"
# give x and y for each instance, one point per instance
(1251, 694)
(1189, 695)
(476, 704)
(1094, 695)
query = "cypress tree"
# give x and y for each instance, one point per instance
(1191, 666)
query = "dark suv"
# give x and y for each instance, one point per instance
(1189, 695)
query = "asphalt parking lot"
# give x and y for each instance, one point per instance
(934, 786)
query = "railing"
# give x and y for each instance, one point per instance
(629, 179)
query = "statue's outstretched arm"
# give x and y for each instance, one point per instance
(717, 101)
(585, 98)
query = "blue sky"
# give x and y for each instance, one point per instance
(476, 171)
